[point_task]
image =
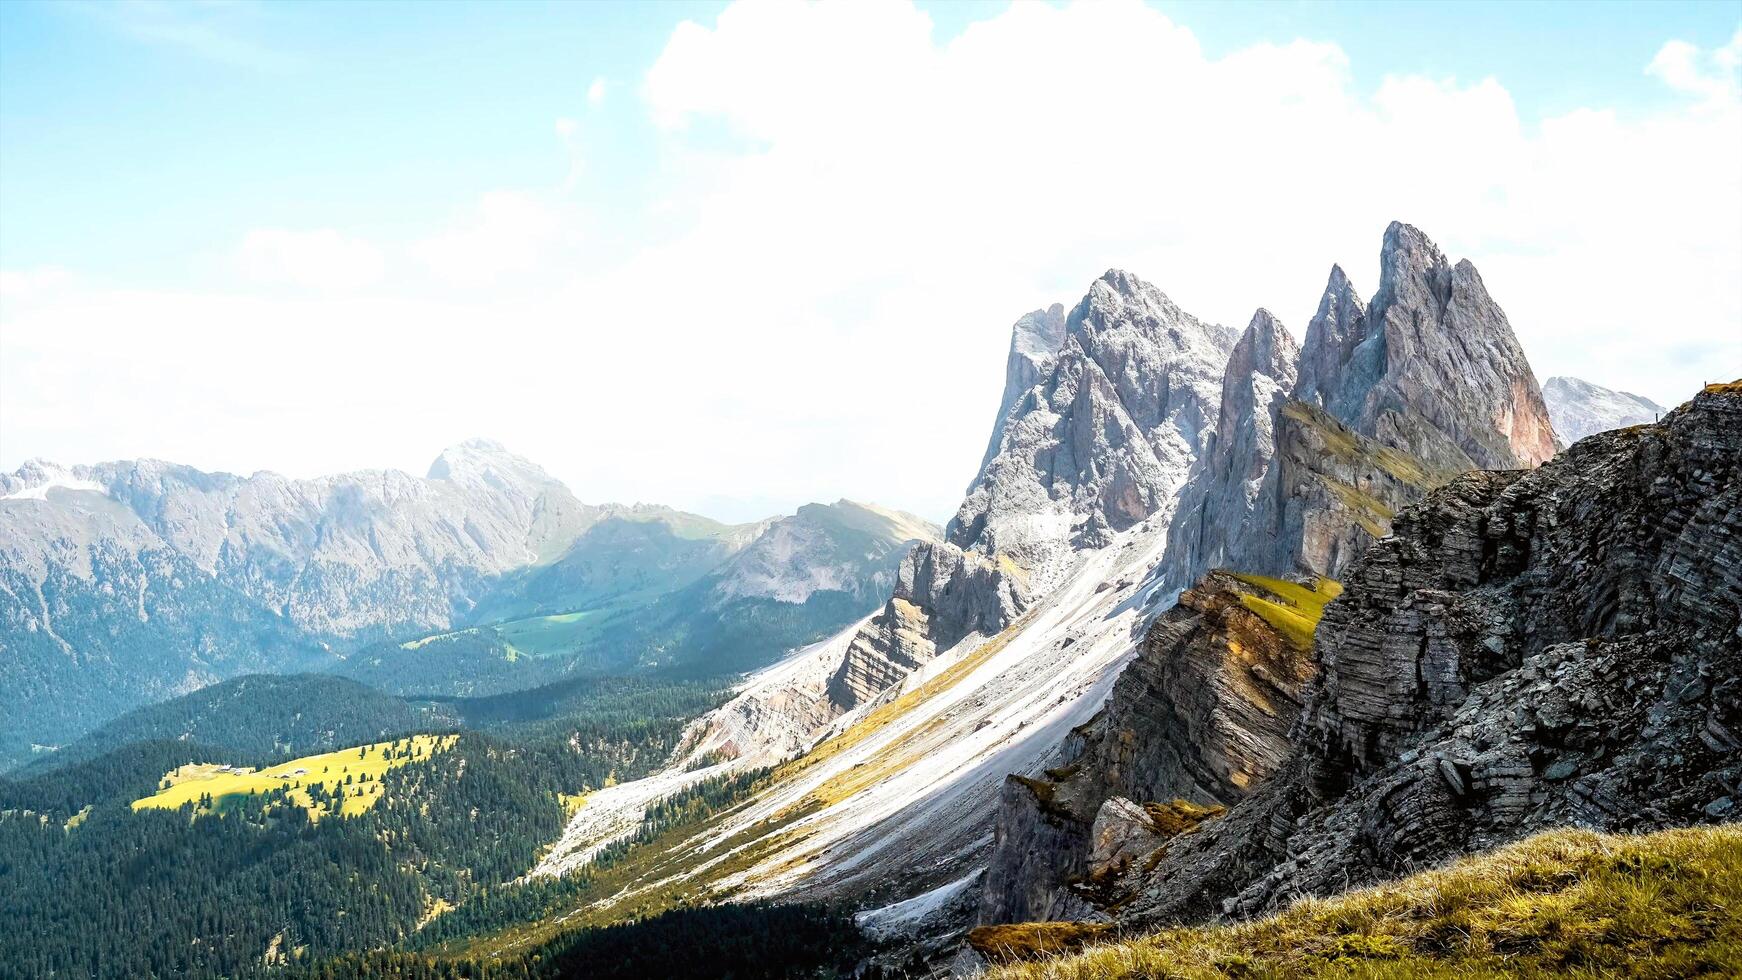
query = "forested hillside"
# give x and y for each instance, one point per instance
(96, 888)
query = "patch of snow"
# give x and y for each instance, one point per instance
(55, 480)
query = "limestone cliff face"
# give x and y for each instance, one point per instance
(1203, 713)
(1433, 368)
(942, 594)
(1105, 439)
(1105, 411)
(1232, 494)
(1529, 649)
(1034, 347)
(1389, 399)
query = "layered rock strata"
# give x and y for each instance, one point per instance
(1528, 650)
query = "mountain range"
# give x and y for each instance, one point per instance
(126, 583)
(1224, 618)
(1069, 642)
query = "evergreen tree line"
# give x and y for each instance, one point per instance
(120, 893)
(753, 941)
(499, 907)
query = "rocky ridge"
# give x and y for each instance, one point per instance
(1315, 452)
(1096, 432)
(1385, 401)
(1528, 650)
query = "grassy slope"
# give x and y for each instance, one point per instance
(1563, 903)
(1297, 612)
(685, 865)
(190, 782)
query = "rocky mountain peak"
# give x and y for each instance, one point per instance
(1231, 492)
(1034, 345)
(1431, 367)
(1090, 441)
(1106, 435)
(1579, 408)
(1266, 342)
(482, 458)
(1337, 329)
(1039, 334)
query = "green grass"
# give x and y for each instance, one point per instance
(534, 636)
(1297, 609)
(1567, 903)
(1354, 447)
(329, 769)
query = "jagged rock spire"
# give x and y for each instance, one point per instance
(1034, 346)
(1105, 437)
(1431, 367)
(1230, 496)
(1335, 331)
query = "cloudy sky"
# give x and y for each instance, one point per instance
(734, 257)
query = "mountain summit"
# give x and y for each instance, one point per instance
(1580, 408)
(1389, 399)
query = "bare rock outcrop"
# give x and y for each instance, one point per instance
(1431, 366)
(1104, 412)
(1107, 436)
(1233, 489)
(1389, 399)
(1034, 347)
(1203, 713)
(1527, 650)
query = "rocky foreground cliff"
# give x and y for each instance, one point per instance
(1529, 649)
(1315, 450)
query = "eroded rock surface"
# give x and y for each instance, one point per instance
(1104, 412)
(1385, 401)
(1530, 649)
(1202, 713)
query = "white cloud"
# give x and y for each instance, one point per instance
(1686, 68)
(596, 92)
(20, 285)
(504, 233)
(318, 259)
(820, 308)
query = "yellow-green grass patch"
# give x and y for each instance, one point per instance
(1566, 903)
(1298, 608)
(1352, 446)
(363, 765)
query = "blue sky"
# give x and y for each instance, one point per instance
(130, 139)
(518, 172)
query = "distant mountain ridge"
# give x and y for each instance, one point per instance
(1580, 408)
(129, 582)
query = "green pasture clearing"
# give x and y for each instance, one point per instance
(356, 771)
